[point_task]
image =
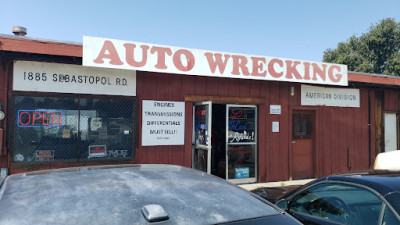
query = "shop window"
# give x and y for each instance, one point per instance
(77, 129)
(302, 125)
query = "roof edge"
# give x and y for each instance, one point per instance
(374, 78)
(40, 39)
(22, 44)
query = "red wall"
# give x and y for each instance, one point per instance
(5, 69)
(341, 136)
(343, 139)
(391, 100)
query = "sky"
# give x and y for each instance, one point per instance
(291, 29)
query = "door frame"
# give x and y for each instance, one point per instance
(242, 180)
(208, 146)
(314, 113)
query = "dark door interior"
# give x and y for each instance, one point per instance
(218, 158)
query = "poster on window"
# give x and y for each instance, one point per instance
(201, 137)
(241, 125)
(95, 124)
(163, 123)
(44, 155)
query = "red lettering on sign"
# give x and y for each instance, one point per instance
(36, 116)
(39, 118)
(55, 118)
(240, 61)
(200, 112)
(161, 56)
(213, 64)
(236, 114)
(20, 118)
(178, 63)
(130, 55)
(292, 69)
(45, 118)
(241, 66)
(319, 71)
(112, 54)
(272, 70)
(307, 71)
(258, 66)
(334, 77)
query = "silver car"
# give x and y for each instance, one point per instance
(131, 194)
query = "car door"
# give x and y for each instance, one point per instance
(336, 203)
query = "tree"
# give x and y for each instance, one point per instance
(377, 51)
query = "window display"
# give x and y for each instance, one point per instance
(60, 128)
(241, 142)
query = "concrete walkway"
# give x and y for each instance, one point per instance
(275, 184)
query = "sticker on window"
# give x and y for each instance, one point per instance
(44, 155)
(242, 172)
(97, 151)
(95, 124)
(117, 153)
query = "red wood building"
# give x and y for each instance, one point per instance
(294, 141)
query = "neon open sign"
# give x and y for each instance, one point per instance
(39, 118)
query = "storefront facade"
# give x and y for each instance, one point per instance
(59, 113)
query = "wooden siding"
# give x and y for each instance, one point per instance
(342, 134)
(5, 71)
(343, 137)
(391, 100)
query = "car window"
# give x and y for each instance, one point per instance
(339, 203)
(389, 218)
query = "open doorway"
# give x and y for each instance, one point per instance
(218, 144)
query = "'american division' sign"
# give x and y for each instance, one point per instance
(340, 97)
(118, 54)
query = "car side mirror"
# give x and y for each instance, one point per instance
(283, 204)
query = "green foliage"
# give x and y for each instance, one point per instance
(377, 51)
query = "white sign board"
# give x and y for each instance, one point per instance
(275, 109)
(275, 126)
(118, 54)
(163, 123)
(340, 97)
(67, 78)
(390, 131)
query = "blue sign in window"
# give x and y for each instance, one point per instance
(242, 172)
